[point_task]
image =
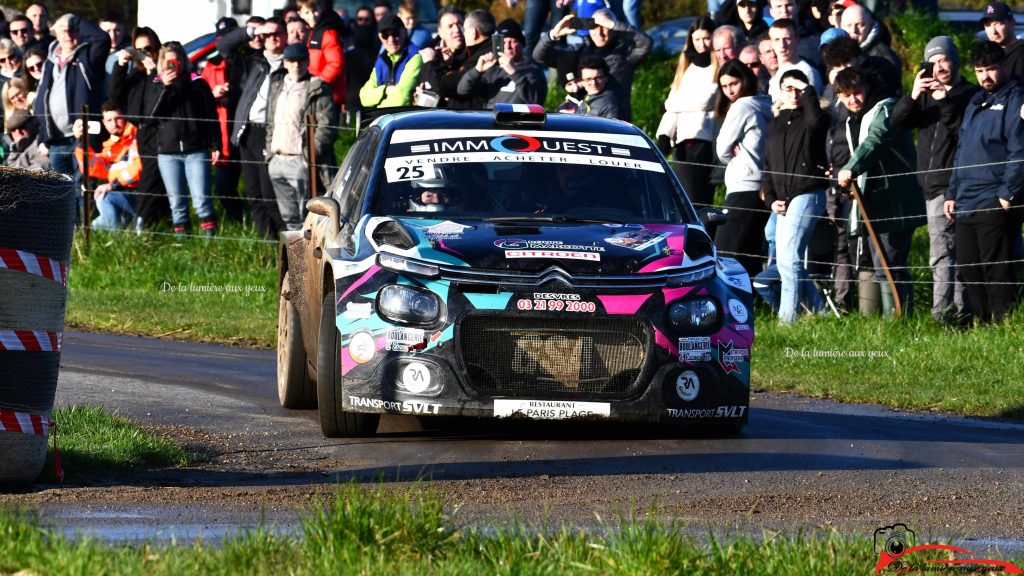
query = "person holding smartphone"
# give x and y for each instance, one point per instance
(185, 115)
(622, 46)
(936, 107)
(509, 77)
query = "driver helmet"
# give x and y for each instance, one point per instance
(433, 195)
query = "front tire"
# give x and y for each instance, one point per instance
(294, 386)
(335, 422)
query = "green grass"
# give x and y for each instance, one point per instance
(373, 531)
(917, 364)
(93, 442)
(154, 285)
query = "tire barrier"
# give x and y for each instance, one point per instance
(37, 217)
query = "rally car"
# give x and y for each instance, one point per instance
(509, 265)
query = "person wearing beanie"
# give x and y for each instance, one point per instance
(1001, 28)
(511, 78)
(935, 107)
(295, 93)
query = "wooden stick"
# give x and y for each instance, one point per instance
(878, 248)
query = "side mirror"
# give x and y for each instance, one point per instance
(711, 218)
(329, 208)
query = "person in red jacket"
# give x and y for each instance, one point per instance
(326, 52)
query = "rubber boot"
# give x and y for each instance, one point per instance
(888, 303)
(869, 299)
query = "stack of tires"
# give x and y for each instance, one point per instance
(37, 217)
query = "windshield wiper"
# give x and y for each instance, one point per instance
(555, 219)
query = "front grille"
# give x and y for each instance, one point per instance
(513, 356)
(512, 280)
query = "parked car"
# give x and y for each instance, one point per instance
(670, 35)
(510, 265)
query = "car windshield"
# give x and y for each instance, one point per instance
(545, 176)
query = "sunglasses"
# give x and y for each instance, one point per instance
(19, 31)
(391, 34)
(264, 37)
(35, 67)
(362, 19)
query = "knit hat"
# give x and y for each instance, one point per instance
(941, 45)
(511, 29)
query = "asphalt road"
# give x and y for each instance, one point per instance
(800, 463)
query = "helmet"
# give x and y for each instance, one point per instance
(433, 195)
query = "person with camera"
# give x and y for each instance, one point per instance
(73, 77)
(295, 94)
(396, 71)
(443, 62)
(985, 199)
(936, 107)
(508, 77)
(619, 44)
(184, 115)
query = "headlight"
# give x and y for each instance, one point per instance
(695, 314)
(406, 266)
(407, 305)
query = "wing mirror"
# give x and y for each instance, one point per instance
(330, 209)
(711, 218)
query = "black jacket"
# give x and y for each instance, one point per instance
(128, 85)
(623, 53)
(185, 115)
(794, 160)
(938, 129)
(1015, 59)
(251, 68)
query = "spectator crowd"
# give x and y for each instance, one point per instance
(802, 102)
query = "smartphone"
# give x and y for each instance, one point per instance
(94, 127)
(578, 23)
(497, 45)
(929, 69)
(137, 55)
(171, 64)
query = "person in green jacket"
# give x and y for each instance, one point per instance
(397, 69)
(882, 161)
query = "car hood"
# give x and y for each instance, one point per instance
(587, 249)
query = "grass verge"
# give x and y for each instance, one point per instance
(93, 442)
(221, 290)
(376, 532)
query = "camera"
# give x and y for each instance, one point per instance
(497, 45)
(427, 99)
(894, 540)
(137, 55)
(929, 69)
(578, 23)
